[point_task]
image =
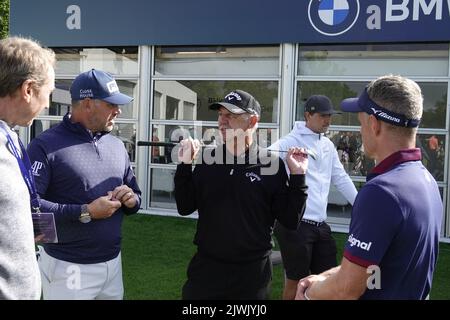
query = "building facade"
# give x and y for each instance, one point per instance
(177, 58)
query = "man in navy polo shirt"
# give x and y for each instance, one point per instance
(393, 239)
(84, 177)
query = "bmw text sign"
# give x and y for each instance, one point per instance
(210, 22)
(378, 21)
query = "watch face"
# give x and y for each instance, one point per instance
(85, 218)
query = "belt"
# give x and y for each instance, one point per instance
(314, 223)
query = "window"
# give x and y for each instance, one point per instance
(342, 71)
(115, 60)
(190, 99)
(162, 188)
(374, 59)
(186, 80)
(351, 152)
(434, 105)
(126, 132)
(217, 61)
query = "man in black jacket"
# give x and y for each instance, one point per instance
(238, 199)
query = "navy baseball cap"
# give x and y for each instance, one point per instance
(97, 84)
(238, 102)
(364, 104)
(320, 104)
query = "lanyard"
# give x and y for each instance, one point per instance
(25, 169)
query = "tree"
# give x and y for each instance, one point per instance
(4, 18)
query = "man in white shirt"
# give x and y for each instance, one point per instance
(311, 248)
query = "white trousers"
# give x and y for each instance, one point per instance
(62, 280)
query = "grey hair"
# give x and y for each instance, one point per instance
(23, 59)
(397, 94)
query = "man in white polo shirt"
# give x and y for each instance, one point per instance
(311, 248)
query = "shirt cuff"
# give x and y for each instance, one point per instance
(297, 180)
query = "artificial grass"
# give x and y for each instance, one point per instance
(156, 251)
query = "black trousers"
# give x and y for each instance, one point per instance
(209, 279)
(308, 250)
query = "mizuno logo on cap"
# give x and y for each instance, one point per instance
(384, 115)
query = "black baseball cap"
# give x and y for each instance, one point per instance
(320, 104)
(238, 102)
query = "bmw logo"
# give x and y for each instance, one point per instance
(333, 17)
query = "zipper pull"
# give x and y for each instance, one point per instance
(94, 141)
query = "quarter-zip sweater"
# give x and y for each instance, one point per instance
(71, 167)
(237, 204)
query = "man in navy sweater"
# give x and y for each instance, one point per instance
(84, 177)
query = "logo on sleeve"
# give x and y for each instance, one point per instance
(36, 167)
(355, 242)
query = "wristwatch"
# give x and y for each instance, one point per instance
(85, 216)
